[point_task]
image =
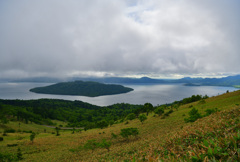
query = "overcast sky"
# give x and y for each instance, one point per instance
(155, 38)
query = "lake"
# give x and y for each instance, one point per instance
(156, 94)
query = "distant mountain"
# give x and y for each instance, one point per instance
(225, 81)
(81, 88)
(123, 80)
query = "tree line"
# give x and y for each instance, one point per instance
(81, 114)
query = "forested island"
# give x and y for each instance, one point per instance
(82, 88)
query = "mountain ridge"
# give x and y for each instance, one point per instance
(224, 81)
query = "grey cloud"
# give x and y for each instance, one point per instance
(155, 38)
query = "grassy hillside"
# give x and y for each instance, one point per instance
(165, 137)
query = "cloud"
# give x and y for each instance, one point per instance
(151, 37)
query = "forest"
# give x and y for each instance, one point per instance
(78, 113)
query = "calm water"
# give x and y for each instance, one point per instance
(155, 94)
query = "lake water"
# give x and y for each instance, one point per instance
(156, 94)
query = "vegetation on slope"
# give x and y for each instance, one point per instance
(216, 138)
(81, 88)
(164, 136)
(75, 113)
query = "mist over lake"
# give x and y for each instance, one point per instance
(153, 93)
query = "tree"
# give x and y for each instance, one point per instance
(131, 116)
(148, 107)
(102, 124)
(4, 120)
(142, 118)
(91, 144)
(105, 144)
(57, 130)
(159, 111)
(73, 130)
(32, 136)
(111, 122)
(137, 112)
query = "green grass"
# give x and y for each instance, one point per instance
(155, 136)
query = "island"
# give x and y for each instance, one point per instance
(82, 88)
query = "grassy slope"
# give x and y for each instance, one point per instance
(153, 133)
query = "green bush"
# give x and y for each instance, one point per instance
(105, 144)
(210, 111)
(127, 132)
(7, 157)
(57, 131)
(201, 102)
(159, 111)
(193, 115)
(142, 118)
(168, 113)
(19, 154)
(27, 131)
(10, 130)
(131, 116)
(102, 124)
(91, 144)
(148, 107)
(114, 136)
(32, 136)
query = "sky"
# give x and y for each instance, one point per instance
(123, 38)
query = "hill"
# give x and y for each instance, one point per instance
(81, 88)
(214, 136)
(232, 81)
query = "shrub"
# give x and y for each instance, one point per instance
(4, 133)
(105, 144)
(142, 118)
(111, 122)
(168, 113)
(210, 111)
(125, 133)
(131, 116)
(57, 131)
(91, 144)
(102, 124)
(159, 111)
(114, 136)
(1, 138)
(7, 157)
(27, 131)
(148, 107)
(10, 130)
(201, 102)
(193, 115)
(12, 145)
(19, 154)
(32, 136)
(4, 120)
